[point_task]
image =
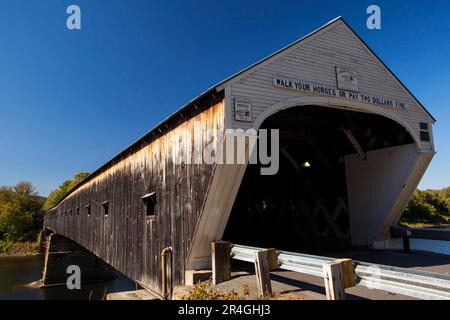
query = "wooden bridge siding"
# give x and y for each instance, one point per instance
(126, 238)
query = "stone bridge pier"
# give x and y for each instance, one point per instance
(61, 252)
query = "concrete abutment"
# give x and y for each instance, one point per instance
(61, 252)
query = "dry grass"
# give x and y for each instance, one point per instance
(287, 296)
(206, 291)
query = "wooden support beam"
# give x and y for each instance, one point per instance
(348, 272)
(292, 161)
(272, 258)
(332, 223)
(318, 152)
(221, 266)
(334, 281)
(355, 144)
(262, 272)
(341, 208)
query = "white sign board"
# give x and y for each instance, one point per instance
(242, 109)
(325, 90)
(347, 79)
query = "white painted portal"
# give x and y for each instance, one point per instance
(378, 188)
(375, 189)
(389, 176)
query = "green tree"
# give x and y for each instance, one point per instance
(434, 198)
(14, 222)
(427, 207)
(446, 196)
(17, 205)
(56, 195)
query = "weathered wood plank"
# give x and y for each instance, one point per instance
(262, 272)
(221, 265)
(127, 239)
(334, 281)
(348, 272)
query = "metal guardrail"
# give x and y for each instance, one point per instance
(413, 283)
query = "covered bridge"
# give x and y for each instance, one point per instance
(353, 146)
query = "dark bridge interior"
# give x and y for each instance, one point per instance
(304, 206)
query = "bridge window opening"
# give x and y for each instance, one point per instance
(88, 210)
(149, 204)
(77, 211)
(424, 133)
(424, 136)
(304, 207)
(105, 206)
(424, 126)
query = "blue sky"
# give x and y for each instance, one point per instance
(71, 100)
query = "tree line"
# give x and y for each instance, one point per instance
(428, 207)
(20, 207)
(22, 211)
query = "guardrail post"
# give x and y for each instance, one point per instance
(348, 272)
(334, 280)
(262, 271)
(221, 266)
(272, 258)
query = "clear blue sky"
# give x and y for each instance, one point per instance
(71, 100)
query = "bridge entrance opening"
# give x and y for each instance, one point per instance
(305, 206)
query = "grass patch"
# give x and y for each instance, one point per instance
(5, 246)
(8, 247)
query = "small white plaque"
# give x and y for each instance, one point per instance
(242, 109)
(347, 79)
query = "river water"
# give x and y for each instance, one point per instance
(17, 272)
